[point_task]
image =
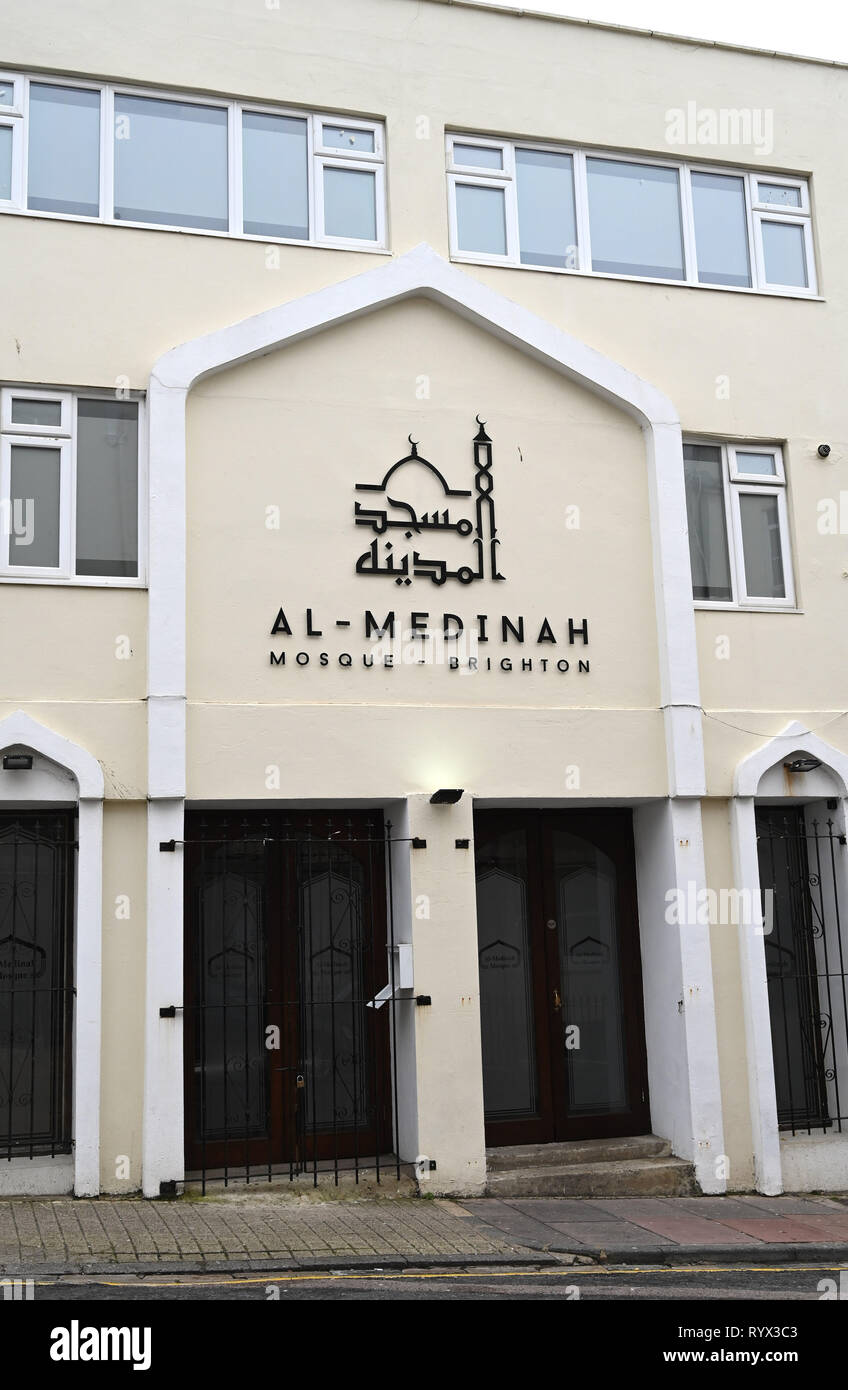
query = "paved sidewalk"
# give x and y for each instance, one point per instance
(243, 1230)
(246, 1229)
(663, 1228)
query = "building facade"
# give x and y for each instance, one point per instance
(425, 490)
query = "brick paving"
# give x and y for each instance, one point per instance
(248, 1229)
(63, 1231)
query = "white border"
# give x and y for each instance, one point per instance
(419, 273)
(18, 730)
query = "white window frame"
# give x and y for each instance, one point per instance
(755, 213)
(767, 213)
(14, 393)
(322, 162)
(738, 475)
(735, 483)
(506, 185)
(64, 439)
(63, 447)
(745, 599)
(318, 156)
(11, 118)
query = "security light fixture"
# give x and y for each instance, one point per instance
(803, 765)
(446, 796)
(17, 762)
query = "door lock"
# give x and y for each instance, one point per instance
(551, 924)
(300, 1083)
(557, 1000)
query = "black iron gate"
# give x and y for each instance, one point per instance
(290, 1066)
(802, 872)
(36, 983)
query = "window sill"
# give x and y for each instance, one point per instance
(74, 582)
(336, 245)
(770, 293)
(704, 606)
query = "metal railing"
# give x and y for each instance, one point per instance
(36, 983)
(802, 863)
(291, 1062)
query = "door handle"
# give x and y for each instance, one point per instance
(557, 1000)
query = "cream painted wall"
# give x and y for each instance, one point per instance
(124, 877)
(75, 659)
(297, 429)
(730, 1028)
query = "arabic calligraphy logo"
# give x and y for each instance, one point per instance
(398, 515)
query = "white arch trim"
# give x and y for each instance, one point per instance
(421, 272)
(418, 273)
(19, 730)
(794, 738)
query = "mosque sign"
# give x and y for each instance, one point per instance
(449, 538)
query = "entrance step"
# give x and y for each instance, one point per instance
(641, 1166)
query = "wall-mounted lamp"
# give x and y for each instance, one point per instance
(803, 765)
(446, 796)
(17, 762)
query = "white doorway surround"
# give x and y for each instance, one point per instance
(798, 1162)
(64, 775)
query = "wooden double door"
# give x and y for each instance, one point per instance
(285, 948)
(560, 976)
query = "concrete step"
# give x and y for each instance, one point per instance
(637, 1177)
(577, 1151)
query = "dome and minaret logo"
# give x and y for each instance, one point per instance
(452, 536)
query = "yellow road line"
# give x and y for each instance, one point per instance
(569, 1271)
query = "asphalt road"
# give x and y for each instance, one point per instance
(566, 1284)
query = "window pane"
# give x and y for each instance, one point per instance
(477, 156)
(761, 545)
(634, 216)
(276, 200)
(28, 412)
(34, 520)
(107, 488)
(64, 150)
(748, 461)
(708, 548)
(339, 137)
(350, 203)
(481, 219)
(5, 162)
(171, 163)
(785, 254)
(7, 92)
(721, 229)
(547, 231)
(778, 194)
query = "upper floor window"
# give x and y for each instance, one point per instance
(612, 214)
(70, 499)
(155, 159)
(738, 524)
